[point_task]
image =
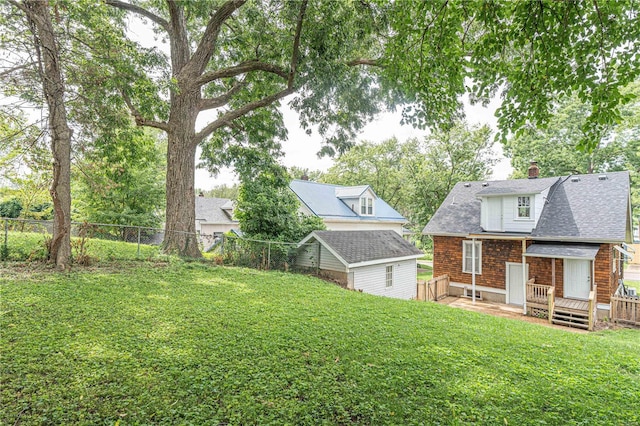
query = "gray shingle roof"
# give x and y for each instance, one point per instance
(363, 246)
(576, 251)
(213, 210)
(589, 209)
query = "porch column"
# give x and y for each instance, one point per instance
(524, 277)
(473, 271)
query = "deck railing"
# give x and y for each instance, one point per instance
(537, 293)
(593, 294)
(551, 303)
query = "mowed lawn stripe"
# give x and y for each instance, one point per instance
(191, 343)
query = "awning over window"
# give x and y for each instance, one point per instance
(563, 251)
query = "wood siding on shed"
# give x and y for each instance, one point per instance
(372, 279)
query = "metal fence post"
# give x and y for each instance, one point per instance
(139, 241)
(269, 255)
(6, 237)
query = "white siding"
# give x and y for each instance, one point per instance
(509, 215)
(211, 228)
(329, 262)
(308, 256)
(355, 225)
(372, 279)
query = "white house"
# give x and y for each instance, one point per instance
(344, 208)
(374, 262)
(214, 217)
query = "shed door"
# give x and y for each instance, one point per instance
(577, 278)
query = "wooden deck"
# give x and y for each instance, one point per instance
(578, 306)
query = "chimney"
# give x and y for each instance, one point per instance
(304, 177)
(534, 171)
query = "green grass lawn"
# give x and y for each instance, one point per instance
(425, 272)
(189, 343)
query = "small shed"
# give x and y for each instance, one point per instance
(374, 262)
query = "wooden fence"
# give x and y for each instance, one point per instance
(435, 289)
(625, 310)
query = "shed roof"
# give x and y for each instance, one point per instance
(563, 251)
(357, 247)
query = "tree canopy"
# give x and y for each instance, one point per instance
(220, 68)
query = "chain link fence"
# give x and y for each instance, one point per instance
(25, 239)
(259, 254)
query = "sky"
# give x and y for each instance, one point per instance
(301, 149)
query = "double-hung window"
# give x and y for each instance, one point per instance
(524, 207)
(467, 257)
(366, 206)
(389, 276)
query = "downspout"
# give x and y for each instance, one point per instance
(473, 271)
(524, 277)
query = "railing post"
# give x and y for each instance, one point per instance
(551, 300)
(138, 241)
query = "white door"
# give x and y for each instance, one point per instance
(494, 211)
(515, 287)
(577, 278)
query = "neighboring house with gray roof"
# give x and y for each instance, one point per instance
(567, 233)
(345, 208)
(214, 217)
(375, 262)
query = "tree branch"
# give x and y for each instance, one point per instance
(140, 11)
(362, 61)
(140, 120)
(207, 44)
(296, 44)
(227, 118)
(218, 101)
(16, 68)
(242, 68)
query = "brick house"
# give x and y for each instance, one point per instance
(506, 241)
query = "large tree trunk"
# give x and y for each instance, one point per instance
(180, 227)
(50, 68)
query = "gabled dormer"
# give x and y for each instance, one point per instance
(360, 199)
(513, 206)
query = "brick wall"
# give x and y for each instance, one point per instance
(447, 259)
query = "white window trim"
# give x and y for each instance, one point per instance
(386, 276)
(368, 202)
(531, 215)
(465, 244)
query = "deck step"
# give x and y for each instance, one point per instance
(571, 324)
(571, 318)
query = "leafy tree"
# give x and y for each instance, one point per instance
(339, 63)
(416, 176)
(222, 191)
(383, 166)
(10, 208)
(46, 52)
(120, 180)
(312, 175)
(266, 208)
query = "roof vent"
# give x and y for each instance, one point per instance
(602, 177)
(575, 179)
(467, 184)
(485, 183)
